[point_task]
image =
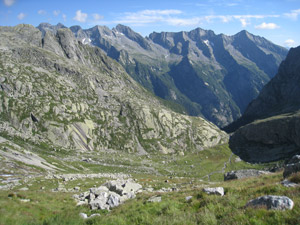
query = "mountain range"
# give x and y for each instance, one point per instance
(83, 108)
(198, 73)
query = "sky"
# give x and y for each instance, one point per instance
(276, 20)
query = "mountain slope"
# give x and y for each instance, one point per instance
(272, 120)
(279, 96)
(228, 71)
(61, 93)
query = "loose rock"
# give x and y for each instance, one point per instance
(216, 191)
(83, 215)
(187, 198)
(288, 183)
(272, 202)
(154, 199)
(24, 189)
(109, 195)
(240, 174)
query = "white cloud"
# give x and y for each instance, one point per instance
(290, 43)
(293, 14)
(225, 19)
(64, 16)
(179, 18)
(161, 12)
(97, 17)
(42, 12)
(244, 22)
(80, 17)
(8, 2)
(267, 26)
(184, 22)
(148, 16)
(56, 12)
(244, 19)
(214, 3)
(21, 16)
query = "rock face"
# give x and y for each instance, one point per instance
(109, 195)
(206, 74)
(275, 132)
(272, 202)
(59, 93)
(214, 191)
(293, 166)
(268, 140)
(241, 174)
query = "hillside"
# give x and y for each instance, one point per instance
(58, 92)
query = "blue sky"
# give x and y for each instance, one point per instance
(276, 20)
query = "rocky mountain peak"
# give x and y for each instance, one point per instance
(43, 27)
(201, 34)
(60, 25)
(124, 29)
(243, 33)
(103, 30)
(136, 37)
(75, 28)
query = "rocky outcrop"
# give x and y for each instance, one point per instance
(268, 140)
(241, 174)
(272, 202)
(109, 195)
(60, 93)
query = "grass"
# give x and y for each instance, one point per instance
(187, 173)
(48, 207)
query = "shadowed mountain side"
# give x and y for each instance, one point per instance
(279, 96)
(275, 132)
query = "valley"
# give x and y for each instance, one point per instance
(104, 126)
